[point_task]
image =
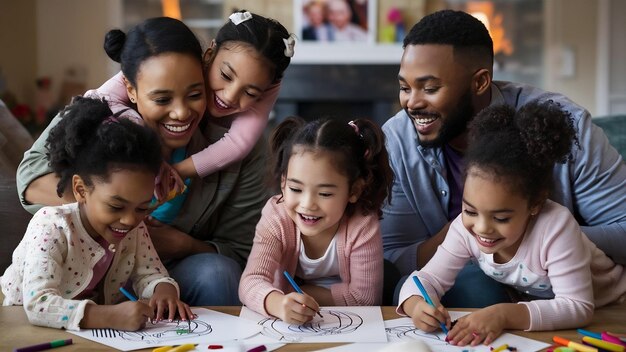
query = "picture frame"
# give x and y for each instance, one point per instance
(335, 22)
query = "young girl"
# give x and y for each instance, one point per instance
(76, 255)
(244, 66)
(516, 235)
(323, 228)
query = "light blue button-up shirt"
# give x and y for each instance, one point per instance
(592, 186)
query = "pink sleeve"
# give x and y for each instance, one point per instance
(265, 260)
(114, 91)
(565, 257)
(439, 274)
(364, 259)
(244, 132)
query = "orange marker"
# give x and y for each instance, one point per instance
(577, 346)
(605, 345)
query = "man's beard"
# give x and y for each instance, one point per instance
(454, 125)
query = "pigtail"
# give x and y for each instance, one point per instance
(376, 171)
(280, 147)
(77, 128)
(547, 132)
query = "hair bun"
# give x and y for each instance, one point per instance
(114, 43)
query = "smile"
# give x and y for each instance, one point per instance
(309, 219)
(177, 128)
(424, 120)
(220, 103)
(119, 233)
(487, 242)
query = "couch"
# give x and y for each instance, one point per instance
(615, 128)
(13, 221)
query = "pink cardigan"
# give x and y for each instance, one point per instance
(277, 248)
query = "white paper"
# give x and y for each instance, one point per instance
(210, 327)
(339, 324)
(402, 329)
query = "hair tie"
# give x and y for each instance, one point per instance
(355, 128)
(239, 17)
(290, 42)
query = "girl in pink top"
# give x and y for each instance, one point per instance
(516, 235)
(244, 66)
(323, 228)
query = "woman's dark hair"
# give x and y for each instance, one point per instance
(358, 149)
(263, 34)
(150, 38)
(90, 142)
(521, 147)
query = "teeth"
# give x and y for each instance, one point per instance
(119, 230)
(220, 103)
(177, 128)
(486, 239)
(309, 217)
(424, 120)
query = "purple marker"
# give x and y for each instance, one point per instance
(44, 346)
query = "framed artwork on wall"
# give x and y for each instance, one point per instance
(335, 21)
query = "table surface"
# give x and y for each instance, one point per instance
(16, 331)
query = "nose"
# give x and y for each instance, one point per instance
(180, 112)
(307, 201)
(232, 95)
(131, 218)
(416, 101)
(482, 226)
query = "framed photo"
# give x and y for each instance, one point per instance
(335, 21)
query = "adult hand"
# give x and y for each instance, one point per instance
(165, 300)
(171, 243)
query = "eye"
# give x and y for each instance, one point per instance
(295, 190)
(115, 207)
(431, 90)
(501, 220)
(163, 100)
(225, 76)
(469, 212)
(252, 95)
(196, 95)
(326, 195)
(404, 89)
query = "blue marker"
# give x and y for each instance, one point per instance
(428, 300)
(128, 294)
(297, 288)
(595, 335)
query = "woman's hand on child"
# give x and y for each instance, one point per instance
(482, 326)
(165, 301)
(293, 308)
(426, 317)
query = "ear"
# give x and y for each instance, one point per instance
(79, 189)
(357, 189)
(130, 90)
(481, 82)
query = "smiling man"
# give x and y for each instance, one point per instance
(445, 78)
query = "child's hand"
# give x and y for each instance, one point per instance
(130, 315)
(426, 317)
(293, 308)
(482, 326)
(165, 300)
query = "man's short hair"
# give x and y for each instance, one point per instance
(465, 33)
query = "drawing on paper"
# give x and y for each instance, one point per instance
(158, 333)
(410, 332)
(335, 322)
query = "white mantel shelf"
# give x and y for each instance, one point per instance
(346, 53)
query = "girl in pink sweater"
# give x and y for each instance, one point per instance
(516, 235)
(243, 66)
(323, 228)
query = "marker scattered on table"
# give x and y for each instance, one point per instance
(297, 288)
(429, 301)
(44, 346)
(575, 345)
(605, 345)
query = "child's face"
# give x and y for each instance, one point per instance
(111, 209)
(315, 194)
(495, 216)
(237, 78)
(170, 97)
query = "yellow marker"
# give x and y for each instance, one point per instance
(183, 348)
(501, 348)
(605, 345)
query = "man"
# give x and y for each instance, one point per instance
(445, 78)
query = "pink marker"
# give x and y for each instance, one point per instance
(609, 338)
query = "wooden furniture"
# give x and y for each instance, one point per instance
(14, 220)
(18, 332)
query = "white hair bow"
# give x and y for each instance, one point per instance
(239, 17)
(289, 44)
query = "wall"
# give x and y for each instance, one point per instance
(18, 48)
(571, 33)
(70, 33)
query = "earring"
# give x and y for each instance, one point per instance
(132, 100)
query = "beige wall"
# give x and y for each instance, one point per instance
(572, 30)
(18, 47)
